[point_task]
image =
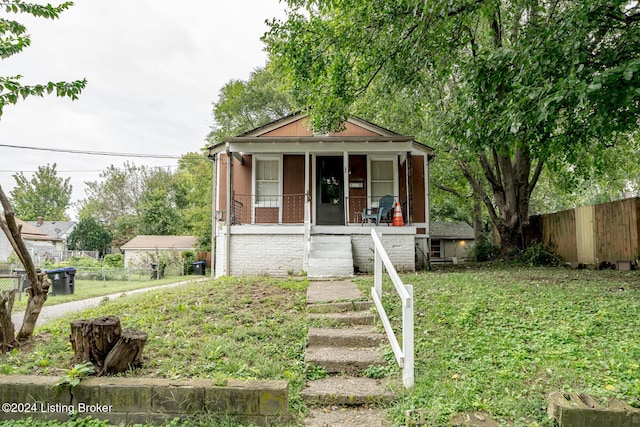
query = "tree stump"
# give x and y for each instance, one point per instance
(102, 342)
(127, 353)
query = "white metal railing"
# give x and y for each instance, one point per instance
(404, 355)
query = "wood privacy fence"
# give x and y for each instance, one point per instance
(609, 232)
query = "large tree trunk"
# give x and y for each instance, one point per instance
(511, 181)
(39, 289)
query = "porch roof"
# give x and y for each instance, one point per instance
(319, 144)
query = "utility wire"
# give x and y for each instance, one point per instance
(94, 153)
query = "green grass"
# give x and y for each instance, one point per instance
(487, 339)
(252, 328)
(501, 340)
(95, 288)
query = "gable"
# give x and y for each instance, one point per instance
(298, 125)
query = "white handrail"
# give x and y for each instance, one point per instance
(404, 355)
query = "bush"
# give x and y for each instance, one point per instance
(539, 255)
(114, 261)
(484, 249)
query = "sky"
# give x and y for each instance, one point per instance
(154, 68)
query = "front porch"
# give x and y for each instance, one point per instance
(279, 250)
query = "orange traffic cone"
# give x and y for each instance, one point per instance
(397, 216)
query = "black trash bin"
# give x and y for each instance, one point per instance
(157, 272)
(199, 267)
(62, 280)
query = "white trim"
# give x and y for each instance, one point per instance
(254, 204)
(394, 161)
(326, 148)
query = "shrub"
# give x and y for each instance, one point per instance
(539, 255)
(114, 261)
(484, 249)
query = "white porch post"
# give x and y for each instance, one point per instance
(214, 212)
(229, 209)
(345, 161)
(307, 213)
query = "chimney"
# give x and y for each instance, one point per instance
(40, 221)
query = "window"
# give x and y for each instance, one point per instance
(382, 178)
(267, 181)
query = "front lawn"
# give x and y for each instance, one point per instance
(500, 340)
(497, 340)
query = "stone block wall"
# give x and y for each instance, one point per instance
(143, 400)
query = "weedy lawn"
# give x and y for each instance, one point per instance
(487, 339)
(500, 340)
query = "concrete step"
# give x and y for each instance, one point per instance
(350, 337)
(326, 272)
(335, 254)
(339, 307)
(327, 262)
(331, 238)
(345, 390)
(347, 360)
(346, 318)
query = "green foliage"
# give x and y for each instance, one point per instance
(76, 422)
(114, 261)
(538, 255)
(506, 88)
(246, 105)
(45, 195)
(484, 249)
(314, 373)
(73, 376)
(14, 39)
(90, 235)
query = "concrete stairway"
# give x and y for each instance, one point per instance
(330, 256)
(344, 350)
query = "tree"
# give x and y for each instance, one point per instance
(245, 105)
(508, 87)
(45, 195)
(13, 39)
(158, 209)
(193, 185)
(90, 235)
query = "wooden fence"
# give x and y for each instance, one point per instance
(609, 232)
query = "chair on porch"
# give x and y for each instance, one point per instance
(385, 205)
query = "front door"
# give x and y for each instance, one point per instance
(330, 189)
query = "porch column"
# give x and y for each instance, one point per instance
(214, 212)
(229, 210)
(345, 167)
(307, 213)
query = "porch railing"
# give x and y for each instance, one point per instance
(290, 209)
(405, 354)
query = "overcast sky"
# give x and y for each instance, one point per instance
(153, 66)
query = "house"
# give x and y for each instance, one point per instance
(143, 250)
(451, 241)
(40, 245)
(291, 202)
(58, 229)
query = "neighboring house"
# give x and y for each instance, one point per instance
(57, 229)
(41, 246)
(451, 241)
(143, 250)
(297, 198)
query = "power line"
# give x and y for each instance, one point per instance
(94, 153)
(84, 170)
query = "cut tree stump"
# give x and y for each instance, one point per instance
(127, 353)
(102, 342)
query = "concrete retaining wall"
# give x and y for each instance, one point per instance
(142, 400)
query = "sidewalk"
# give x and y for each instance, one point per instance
(53, 311)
